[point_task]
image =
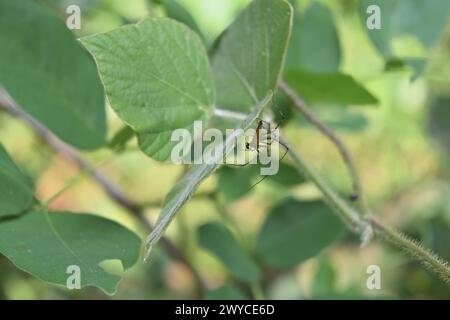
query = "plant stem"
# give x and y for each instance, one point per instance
(300, 105)
(367, 226)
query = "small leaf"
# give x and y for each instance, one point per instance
(177, 12)
(16, 189)
(248, 60)
(334, 88)
(309, 51)
(46, 244)
(157, 78)
(287, 176)
(295, 231)
(187, 185)
(216, 239)
(227, 292)
(49, 75)
(120, 139)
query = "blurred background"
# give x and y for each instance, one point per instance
(401, 146)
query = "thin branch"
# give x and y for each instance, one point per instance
(367, 227)
(300, 105)
(111, 189)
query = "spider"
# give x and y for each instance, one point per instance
(263, 138)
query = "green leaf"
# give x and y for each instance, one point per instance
(187, 185)
(438, 123)
(226, 292)
(421, 18)
(16, 189)
(334, 88)
(46, 244)
(235, 183)
(157, 78)
(216, 239)
(121, 138)
(295, 231)
(47, 72)
(309, 51)
(177, 12)
(324, 283)
(416, 64)
(287, 176)
(249, 58)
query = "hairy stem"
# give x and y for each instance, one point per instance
(366, 227)
(300, 105)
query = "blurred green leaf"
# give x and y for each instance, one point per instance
(248, 61)
(416, 64)
(287, 176)
(314, 44)
(334, 88)
(49, 74)
(234, 183)
(324, 282)
(227, 292)
(295, 231)
(424, 19)
(157, 77)
(216, 239)
(187, 185)
(120, 139)
(177, 12)
(439, 120)
(16, 189)
(46, 244)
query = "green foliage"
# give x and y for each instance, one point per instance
(46, 244)
(168, 83)
(16, 189)
(216, 239)
(235, 183)
(309, 51)
(311, 226)
(49, 75)
(185, 188)
(328, 88)
(225, 293)
(423, 19)
(121, 138)
(248, 60)
(177, 12)
(439, 119)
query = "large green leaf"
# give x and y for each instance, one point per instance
(424, 19)
(334, 88)
(16, 189)
(157, 78)
(309, 51)
(296, 231)
(185, 188)
(248, 60)
(49, 75)
(46, 244)
(218, 240)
